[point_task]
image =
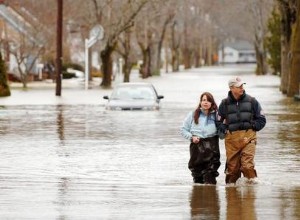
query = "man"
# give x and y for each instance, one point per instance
(240, 117)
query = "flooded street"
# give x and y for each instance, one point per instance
(68, 158)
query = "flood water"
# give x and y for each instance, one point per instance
(69, 158)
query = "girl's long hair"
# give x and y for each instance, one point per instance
(213, 107)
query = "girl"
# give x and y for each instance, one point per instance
(200, 128)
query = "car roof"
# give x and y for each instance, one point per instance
(134, 84)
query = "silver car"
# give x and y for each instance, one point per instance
(133, 96)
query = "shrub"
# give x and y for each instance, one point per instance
(4, 88)
(75, 66)
(273, 43)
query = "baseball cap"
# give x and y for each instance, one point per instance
(236, 82)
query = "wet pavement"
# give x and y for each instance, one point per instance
(68, 158)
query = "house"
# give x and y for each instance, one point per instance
(237, 52)
(15, 30)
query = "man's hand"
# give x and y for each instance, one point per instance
(223, 128)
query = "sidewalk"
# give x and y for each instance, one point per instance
(50, 84)
(73, 92)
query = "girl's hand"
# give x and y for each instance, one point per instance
(195, 139)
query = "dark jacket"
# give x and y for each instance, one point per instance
(243, 114)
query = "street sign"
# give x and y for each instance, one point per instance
(97, 32)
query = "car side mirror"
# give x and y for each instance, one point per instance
(160, 96)
(105, 97)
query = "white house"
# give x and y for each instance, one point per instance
(237, 52)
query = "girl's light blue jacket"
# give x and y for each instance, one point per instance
(205, 128)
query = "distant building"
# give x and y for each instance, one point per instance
(237, 52)
(13, 25)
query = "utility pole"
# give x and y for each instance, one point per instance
(59, 46)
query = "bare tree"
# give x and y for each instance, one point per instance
(38, 40)
(196, 29)
(116, 23)
(29, 40)
(125, 50)
(259, 32)
(168, 12)
(26, 54)
(144, 30)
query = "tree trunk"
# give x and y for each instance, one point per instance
(23, 76)
(145, 67)
(175, 60)
(187, 54)
(293, 87)
(175, 43)
(285, 44)
(261, 55)
(107, 64)
(185, 50)
(126, 56)
(127, 69)
(24, 81)
(148, 66)
(285, 64)
(198, 56)
(209, 51)
(158, 64)
(90, 66)
(261, 58)
(166, 57)
(160, 43)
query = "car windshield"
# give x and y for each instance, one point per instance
(134, 92)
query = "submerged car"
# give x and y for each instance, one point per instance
(133, 96)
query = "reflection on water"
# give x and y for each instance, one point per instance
(290, 124)
(241, 203)
(204, 202)
(289, 207)
(82, 162)
(60, 123)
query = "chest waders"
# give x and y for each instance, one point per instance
(240, 141)
(205, 160)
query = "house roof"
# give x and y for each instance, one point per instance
(17, 22)
(239, 45)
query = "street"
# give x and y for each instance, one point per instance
(68, 158)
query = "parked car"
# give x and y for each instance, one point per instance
(133, 96)
(13, 78)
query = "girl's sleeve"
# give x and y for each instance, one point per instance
(185, 129)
